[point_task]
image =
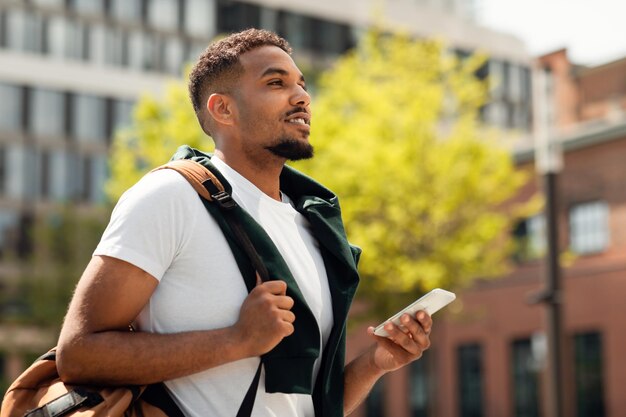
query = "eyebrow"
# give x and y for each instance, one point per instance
(279, 71)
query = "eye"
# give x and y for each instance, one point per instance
(275, 82)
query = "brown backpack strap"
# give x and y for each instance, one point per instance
(196, 174)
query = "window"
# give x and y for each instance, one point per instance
(470, 380)
(89, 7)
(163, 14)
(126, 10)
(232, 16)
(497, 113)
(11, 107)
(496, 78)
(419, 387)
(89, 186)
(525, 381)
(269, 19)
(46, 112)
(55, 39)
(328, 37)
(96, 44)
(530, 237)
(88, 121)
(49, 3)
(14, 182)
(8, 220)
(374, 404)
(87, 179)
(294, 28)
(515, 83)
(588, 368)
(76, 40)
(173, 52)
(44, 174)
(116, 45)
(24, 31)
(143, 52)
(58, 170)
(199, 18)
(589, 227)
(122, 114)
(3, 29)
(99, 176)
(3, 170)
(194, 50)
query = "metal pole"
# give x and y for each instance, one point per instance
(553, 298)
(548, 160)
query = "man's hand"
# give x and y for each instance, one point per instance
(404, 344)
(265, 317)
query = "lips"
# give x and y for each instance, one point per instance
(299, 118)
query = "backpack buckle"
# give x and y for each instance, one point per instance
(224, 200)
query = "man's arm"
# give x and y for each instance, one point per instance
(387, 354)
(95, 344)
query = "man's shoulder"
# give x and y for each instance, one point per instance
(163, 184)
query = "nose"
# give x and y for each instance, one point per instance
(300, 97)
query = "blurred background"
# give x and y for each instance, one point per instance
(85, 83)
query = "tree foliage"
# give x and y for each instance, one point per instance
(159, 127)
(421, 182)
(398, 138)
(62, 243)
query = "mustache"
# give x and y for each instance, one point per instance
(297, 110)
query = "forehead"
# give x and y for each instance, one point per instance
(257, 61)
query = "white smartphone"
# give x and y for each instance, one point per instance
(431, 302)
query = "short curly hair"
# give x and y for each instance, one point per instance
(218, 67)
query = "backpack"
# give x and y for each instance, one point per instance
(39, 391)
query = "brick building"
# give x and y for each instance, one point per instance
(488, 353)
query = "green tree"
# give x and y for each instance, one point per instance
(63, 241)
(159, 127)
(422, 184)
(397, 137)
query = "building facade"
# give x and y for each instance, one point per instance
(488, 355)
(71, 71)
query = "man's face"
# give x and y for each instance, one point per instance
(273, 106)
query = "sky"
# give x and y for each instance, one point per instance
(593, 31)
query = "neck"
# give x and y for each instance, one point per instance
(264, 175)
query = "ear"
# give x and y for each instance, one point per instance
(221, 108)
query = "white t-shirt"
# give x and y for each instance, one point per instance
(161, 226)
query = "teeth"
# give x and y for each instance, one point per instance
(298, 121)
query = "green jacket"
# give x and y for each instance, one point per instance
(289, 366)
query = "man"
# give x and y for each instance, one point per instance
(164, 264)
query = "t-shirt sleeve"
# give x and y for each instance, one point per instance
(148, 224)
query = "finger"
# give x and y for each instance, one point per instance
(259, 281)
(284, 302)
(397, 351)
(418, 333)
(288, 316)
(288, 328)
(410, 325)
(425, 321)
(275, 287)
(405, 340)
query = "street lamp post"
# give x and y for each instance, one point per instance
(549, 162)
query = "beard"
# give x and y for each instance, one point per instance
(291, 149)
